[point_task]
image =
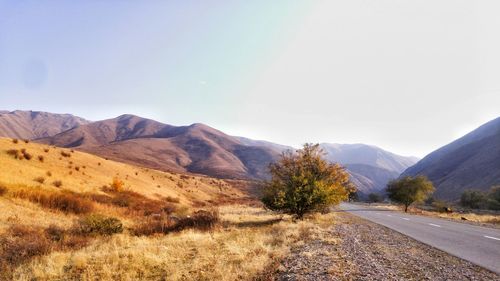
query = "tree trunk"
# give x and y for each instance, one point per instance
(406, 208)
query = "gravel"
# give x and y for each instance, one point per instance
(368, 251)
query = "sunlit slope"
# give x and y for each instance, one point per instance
(82, 172)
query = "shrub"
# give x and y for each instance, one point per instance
(26, 141)
(304, 182)
(27, 156)
(202, 220)
(49, 174)
(14, 152)
(77, 168)
(41, 158)
(22, 243)
(172, 199)
(3, 190)
(117, 184)
(99, 224)
(474, 199)
(65, 154)
(15, 141)
(55, 233)
(62, 201)
(40, 180)
(57, 183)
(46, 150)
(375, 197)
(441, 206)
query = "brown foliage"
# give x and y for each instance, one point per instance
(41, 158)
(15, 140)
(63, 201)
(21, 243)
(202, 220)
(65, 154)
(3, 190)
(40, 180)
(57, 183)
(117, 185)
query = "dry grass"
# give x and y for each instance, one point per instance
(240, 243)
(250, 241)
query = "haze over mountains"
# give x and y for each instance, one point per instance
(196, 148)
(470, 162)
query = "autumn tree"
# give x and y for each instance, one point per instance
(303, 181)
(409, 190)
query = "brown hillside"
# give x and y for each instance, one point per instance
(196, 148)
(36, 124)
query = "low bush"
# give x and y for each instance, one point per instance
(20, 243)
(3, 190)
(63, 201)
(41, 158)
(65, 154)
(442, 206)
(26, 141)
(49, 174)
(117, 185)
(375, 198)
(99, 224)
(203, 220)
(15, 141)
(14, 153)
(46, 150)
(172, 199)
(57, 183)
(40, 180)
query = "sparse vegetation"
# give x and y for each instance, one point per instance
(41, 158)
(303, 182)
(65, 154)
(15, 141)
(409, 190)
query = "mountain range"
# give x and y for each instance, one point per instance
(470, 162)
(196, 148)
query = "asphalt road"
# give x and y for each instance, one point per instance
(479, 245)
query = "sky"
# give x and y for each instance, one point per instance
(407, 76)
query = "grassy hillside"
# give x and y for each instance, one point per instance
(68, 215)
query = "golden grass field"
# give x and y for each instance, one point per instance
(44, 201)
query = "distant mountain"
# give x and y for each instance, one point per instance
(370, 167)
(470, 162)
(196, 148)
(36, 124)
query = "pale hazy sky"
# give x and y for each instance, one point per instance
(408, 76)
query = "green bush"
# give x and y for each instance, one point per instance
(99, 224)
(474, 199)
